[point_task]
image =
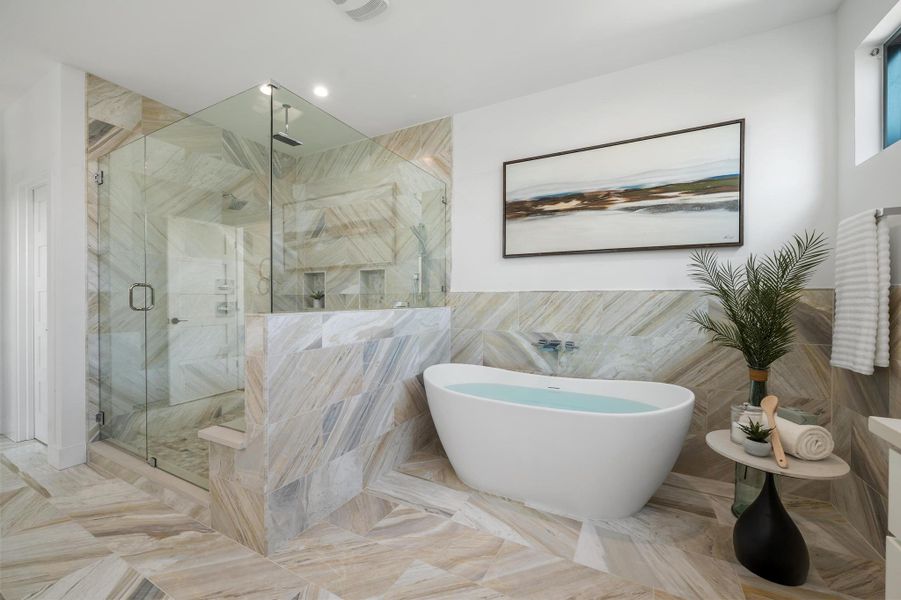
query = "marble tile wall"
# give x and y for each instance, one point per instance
(863, 496)
(333, 401)
(645, 335)
(366, 207)
(115, 117)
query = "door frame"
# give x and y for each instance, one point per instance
(23, 418)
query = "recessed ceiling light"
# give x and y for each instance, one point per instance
(266, 89)
(321, 91)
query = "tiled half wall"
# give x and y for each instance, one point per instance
(333, 400)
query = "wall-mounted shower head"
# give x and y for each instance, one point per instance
(283, 136)
(233, 202)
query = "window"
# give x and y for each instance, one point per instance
(891, 104)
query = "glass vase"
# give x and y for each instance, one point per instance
(758, 385)
(749, 481)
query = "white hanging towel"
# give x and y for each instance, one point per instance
(860, 334)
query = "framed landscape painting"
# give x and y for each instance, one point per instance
(681, 189)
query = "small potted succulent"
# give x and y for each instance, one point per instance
(756, 442)
(318, 299)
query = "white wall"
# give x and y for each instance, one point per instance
(782, 82)
(44, 137)
(876, 182)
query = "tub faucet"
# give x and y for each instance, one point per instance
(546, 345)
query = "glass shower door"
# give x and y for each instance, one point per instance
(125, 299)
(206, 203)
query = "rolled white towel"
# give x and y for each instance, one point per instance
(807, 442)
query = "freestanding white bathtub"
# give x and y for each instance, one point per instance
(574, 462)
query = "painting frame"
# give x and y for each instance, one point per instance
(729, 244)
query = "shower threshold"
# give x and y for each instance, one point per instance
(175, 492)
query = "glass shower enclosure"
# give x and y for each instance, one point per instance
(260, 203)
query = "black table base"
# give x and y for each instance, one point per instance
(768, 542)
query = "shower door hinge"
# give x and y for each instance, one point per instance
(152, 461)
(98, 177)
(100, 418)
(443, 288)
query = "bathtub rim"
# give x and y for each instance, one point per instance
(687, 403)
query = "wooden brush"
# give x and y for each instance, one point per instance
(769, 405)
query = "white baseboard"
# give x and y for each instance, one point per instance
(69, 456)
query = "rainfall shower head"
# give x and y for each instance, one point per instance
(283, 136)
(233, 202)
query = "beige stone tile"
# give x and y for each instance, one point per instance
(813, 317)
(8, 480)
(522, 572)
(803, 373)
(313, 379)
(574, 312)
(231, 573)
(156, 115)
(825, 527)
(483, 310)
(348, 565)
(390, 360)
(675, 528)
(294, 333)
(22, 509)
(109, 577)
(421, 581)
(422, 494)
(124, 518)
(361, 513)
(865, 509)
(756, 588)
(662, 313)
(864, 394)
(30, 463)
(428, 466)
(676, 571)
(112, 103)
(297, 445)
(866, 453)
(848, 574)
(438, 541)
(516, 351)
(34, 559)
(409, 399)
(467, 346)
(518, 523)
(238, 512)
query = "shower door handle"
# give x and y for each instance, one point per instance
(131, 297)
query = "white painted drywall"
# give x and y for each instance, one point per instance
(44, 136)
(782, 82)
(875, 182)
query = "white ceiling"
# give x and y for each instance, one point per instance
(420, 60)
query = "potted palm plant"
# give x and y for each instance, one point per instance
(758, 300)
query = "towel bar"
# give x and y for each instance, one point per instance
(888, 212)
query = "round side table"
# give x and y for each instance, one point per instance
(765, 539)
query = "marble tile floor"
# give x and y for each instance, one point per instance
(418, 532)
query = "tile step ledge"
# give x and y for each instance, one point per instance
(224, 436)
(887, 429)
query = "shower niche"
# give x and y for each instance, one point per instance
(249, 206)
(314, 290)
